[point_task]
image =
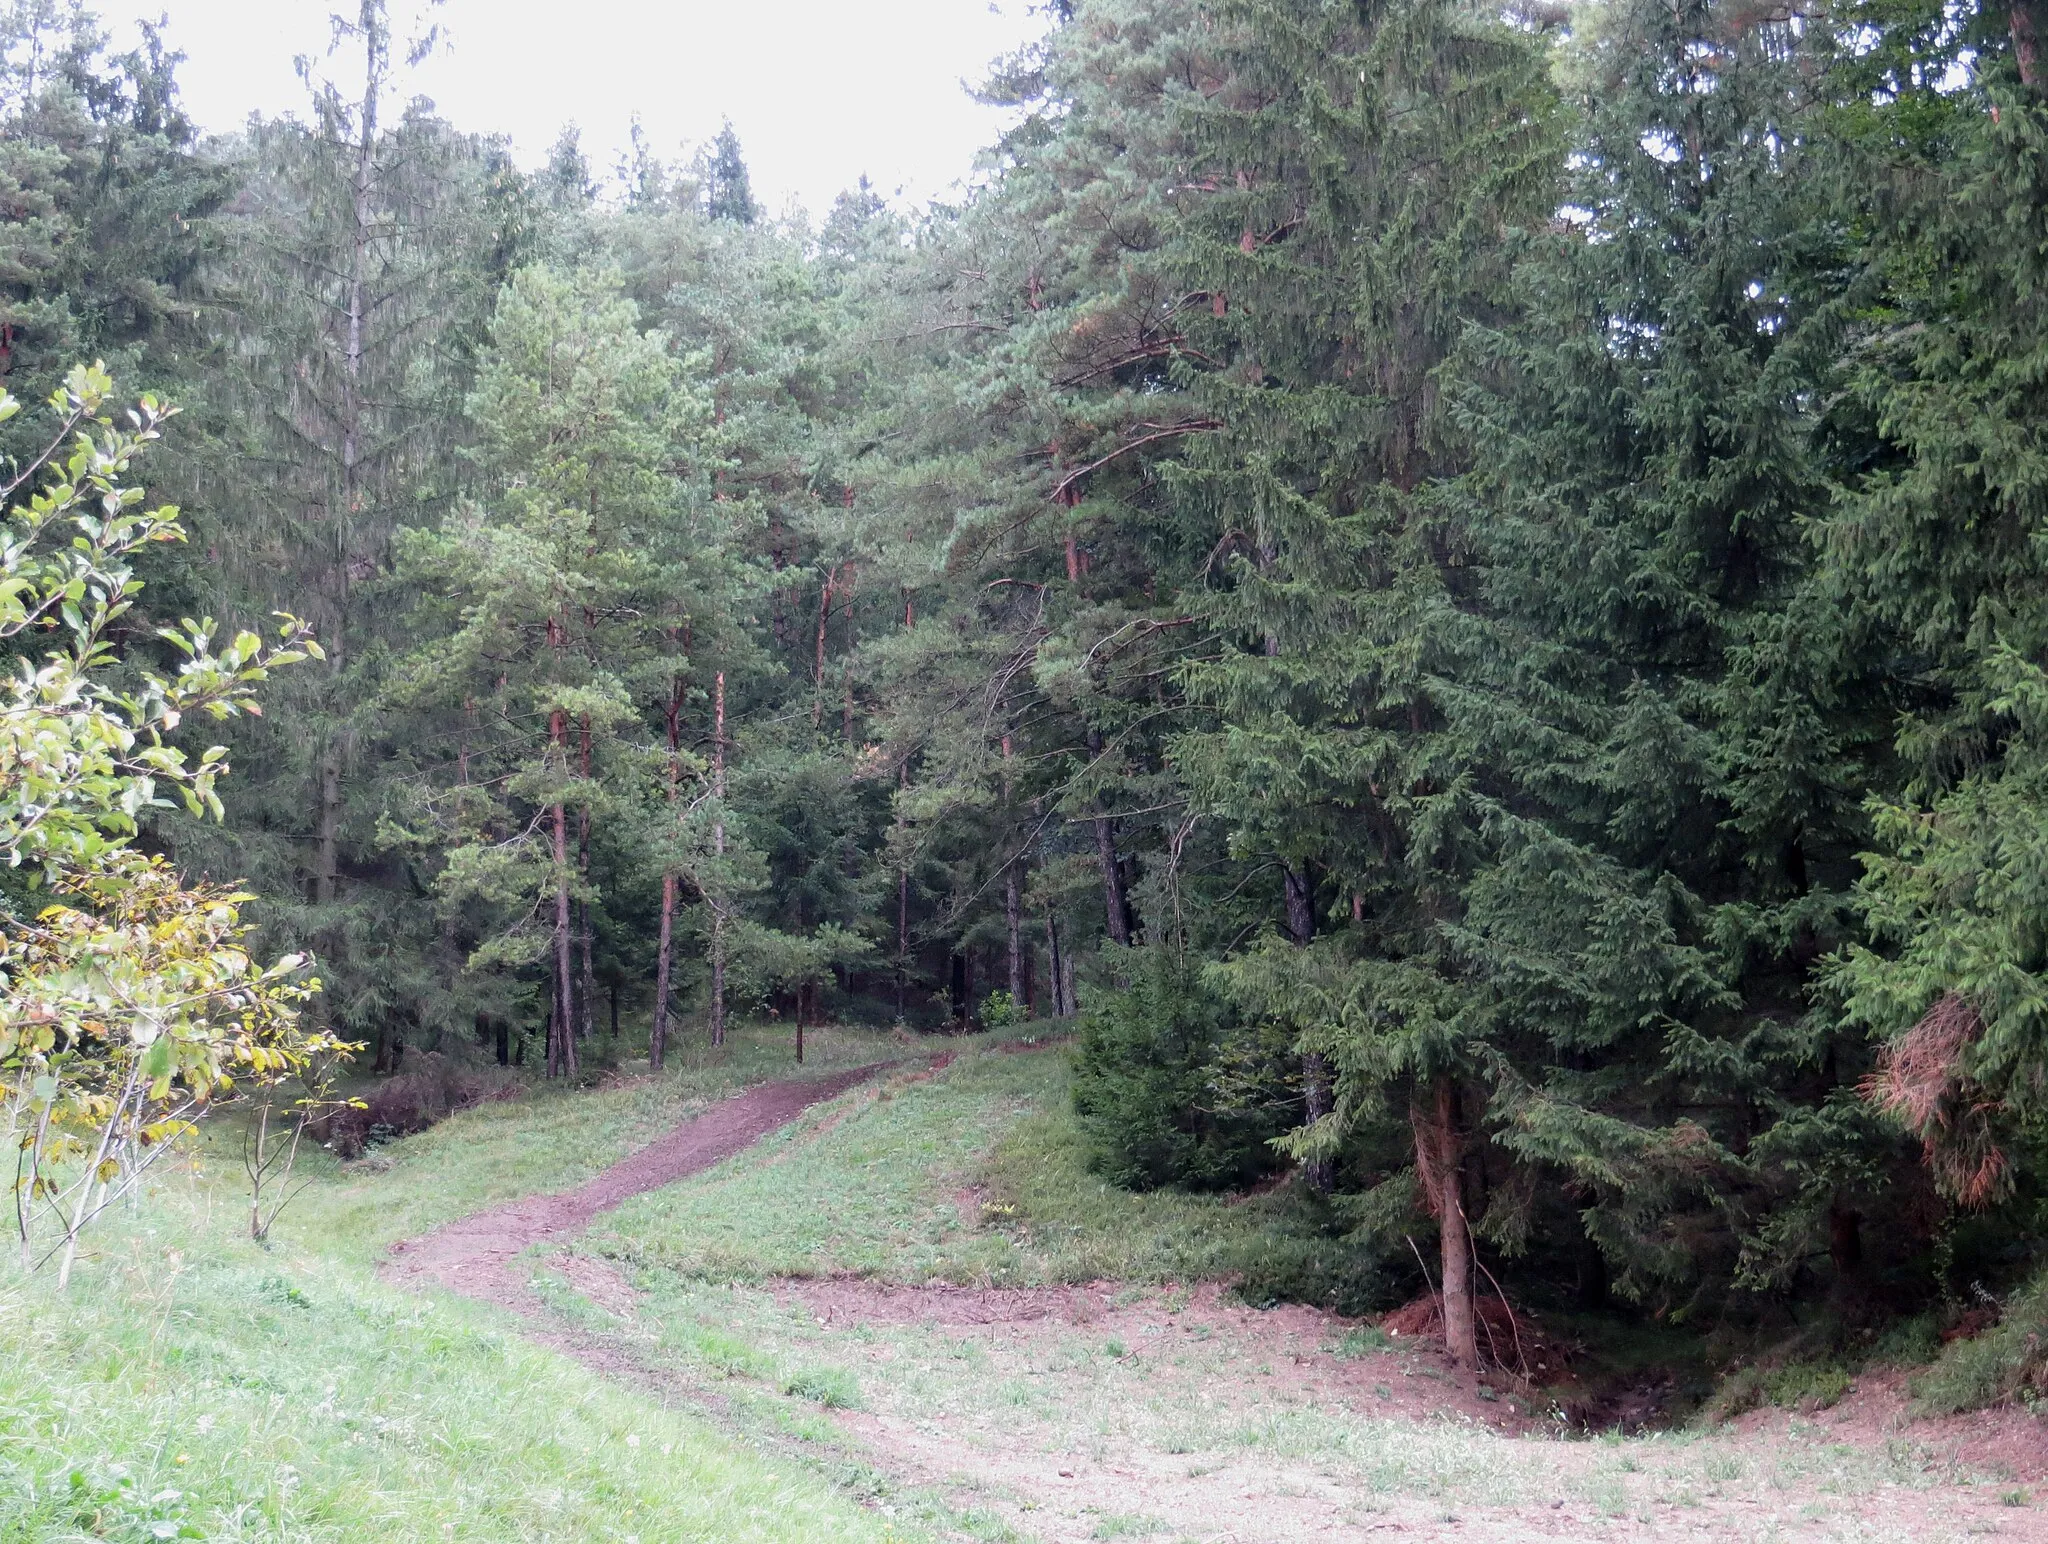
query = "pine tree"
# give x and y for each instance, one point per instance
(728, 190)
(555, 606)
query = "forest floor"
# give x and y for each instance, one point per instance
(905, 1281)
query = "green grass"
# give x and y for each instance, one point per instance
(193, 1385)
(973, 1177)
(2008, 1361)
(549, 1138)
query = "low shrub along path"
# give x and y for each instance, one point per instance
(475, 1255)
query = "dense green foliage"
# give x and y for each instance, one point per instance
(1467, 588)
(1166, 1092)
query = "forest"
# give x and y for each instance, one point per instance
(1464, 589)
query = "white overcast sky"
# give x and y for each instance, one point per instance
(820, 91)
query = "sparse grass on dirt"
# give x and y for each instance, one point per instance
(192, 1385)
(549, 1138)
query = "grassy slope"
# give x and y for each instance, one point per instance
(193, 1385)
(973, 1177)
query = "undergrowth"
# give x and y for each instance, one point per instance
(2007, 1362)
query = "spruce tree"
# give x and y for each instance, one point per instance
(1356, 170)
(728, 190)
(355, 274)
(1937, 549)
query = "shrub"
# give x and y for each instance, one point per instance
(999, 1010)
(430, 1089)
(1167, 1091)
(1802, 1386)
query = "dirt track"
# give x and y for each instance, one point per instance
(475, 1255)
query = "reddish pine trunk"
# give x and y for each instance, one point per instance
(585, 1026)
(2026, 41)
(818, 674)
(562, 1031)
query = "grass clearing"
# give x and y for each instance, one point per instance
(194, 1385)
(975, 1177)
(195, 1382)
(1158, 1407)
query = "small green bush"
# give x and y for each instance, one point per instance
(1163, 1091)
(1365, 1340)
(833, 1387)
(1910, 1342)
(999, 1010)
(2008, 1361)
(1807, 1386)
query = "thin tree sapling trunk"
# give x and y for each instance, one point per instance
(1013, 921)
(1315, 1068)
(586, 1026)
(562, 1041)
(657, 1036)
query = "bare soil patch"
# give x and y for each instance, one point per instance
(1094, 1411)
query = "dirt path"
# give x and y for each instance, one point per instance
(476, 1255)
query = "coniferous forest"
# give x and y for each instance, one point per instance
(1464, 589)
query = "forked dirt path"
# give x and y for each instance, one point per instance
(476, 1255)
(1213, 1421)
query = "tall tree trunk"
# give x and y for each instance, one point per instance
(849, 641)
(1013, 919)
(2024, 24)
(818, 675)
(1013, 902)
(1115, 904)
(902, 891)
(1439, 1152)
(718, 849)
(1052, 966)
(586, 1026)
(1315, 1068)
(657, 1036)
(327, 833)
(562, 1040)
